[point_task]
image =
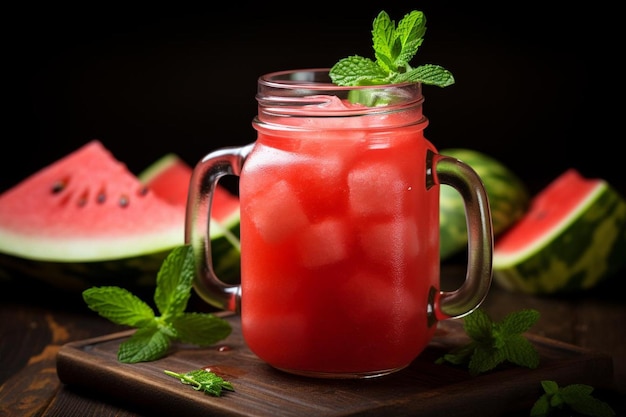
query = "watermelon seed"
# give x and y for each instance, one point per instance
(82, 200)
(143, 191)
(59, 186)
(101, 197)
(124, 201)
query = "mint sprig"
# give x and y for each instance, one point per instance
(575, 397)
(155, 334)
(394, 47)
(495, 343)
(203, 380)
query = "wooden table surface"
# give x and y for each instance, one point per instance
(36, 321)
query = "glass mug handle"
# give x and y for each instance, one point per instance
(447, 170)
(460, 176)
(205, 176)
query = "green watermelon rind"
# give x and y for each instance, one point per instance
(129, 272)
(132, 272)
(136, 270)
(225, 246)
(508, 196)
(224, 235)
(226, 250)
(157, 167)
(585, 248)
(73, 250)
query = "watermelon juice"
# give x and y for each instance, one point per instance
(339, 231)
(338, 252)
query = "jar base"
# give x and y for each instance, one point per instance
(342, 375)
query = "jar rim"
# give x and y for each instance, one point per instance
(316, 79)
(311, 92)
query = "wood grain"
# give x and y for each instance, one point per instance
(424, 387)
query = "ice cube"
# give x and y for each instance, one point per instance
(375, 189)
(266, 169)
(391, 241)
(326, 102)
(323, 243)
(277, 212)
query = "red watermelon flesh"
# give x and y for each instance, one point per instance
(165, 177)
(169, 179)
(549, 209)
(87, 206)
(572, 237)
(224, 204)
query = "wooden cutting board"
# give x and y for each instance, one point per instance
(424, 388)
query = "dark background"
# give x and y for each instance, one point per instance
(536, 84)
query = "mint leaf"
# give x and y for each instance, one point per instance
(550, 387)
(479, 327)
(146, 344)
(394, 47)
(494, 343)
(119, 306)
(459, 356)
(541, 407)
(427, 74)
(203, 380)
(154, 335)
(356, 70)
(485, 358)
(174, 282)
(518, 350)
(201, 329)
(575, 397)
(519, 322)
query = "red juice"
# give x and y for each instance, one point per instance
(339, 253)
(339, 228)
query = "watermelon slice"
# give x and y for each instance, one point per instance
(85, 220)
(169, 178)
(508, 200)
(572, 237)
(86, 206)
